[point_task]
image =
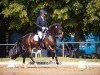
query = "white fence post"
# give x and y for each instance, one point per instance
(63, 49)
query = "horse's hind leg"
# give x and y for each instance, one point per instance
(57, 61)
(33, 60)
(24, 57)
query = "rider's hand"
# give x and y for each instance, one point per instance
(43, 28)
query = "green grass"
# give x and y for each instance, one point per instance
(46, 59)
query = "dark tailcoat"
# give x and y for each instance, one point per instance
(40, 23)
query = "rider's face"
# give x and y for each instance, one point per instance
(43, 15)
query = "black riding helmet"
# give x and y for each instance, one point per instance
(43, 12)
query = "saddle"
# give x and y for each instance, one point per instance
(36, 36)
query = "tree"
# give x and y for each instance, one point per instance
(92, 16)
(77, 16)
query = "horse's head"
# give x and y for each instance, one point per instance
(55, 29)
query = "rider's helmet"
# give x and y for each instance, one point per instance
(43, 12)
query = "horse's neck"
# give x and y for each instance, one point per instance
(49, 34)
(51, 31)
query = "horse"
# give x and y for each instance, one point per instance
(27, 43)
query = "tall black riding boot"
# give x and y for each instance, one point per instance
(41, 43)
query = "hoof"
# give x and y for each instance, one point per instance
(24, 65)
(35, 64)
(58, 66)
(82, 64)
(50, 60)
(12, 64)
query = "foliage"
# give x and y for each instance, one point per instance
(92, 16)
(93, 12)
(22, 14)
(18, 12)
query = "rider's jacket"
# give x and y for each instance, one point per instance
(41, 22)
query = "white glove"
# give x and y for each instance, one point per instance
(43, 28)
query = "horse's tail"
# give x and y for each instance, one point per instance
(19, 41)
(19, 44)
(16, 50)
(20, 47)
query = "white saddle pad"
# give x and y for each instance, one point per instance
(36, 38)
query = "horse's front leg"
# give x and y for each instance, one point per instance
(57, 62)
(56, 58)
(30, 53)
(54, 55)
(33, 60)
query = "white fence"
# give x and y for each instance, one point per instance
(62, 43)
(7, 44)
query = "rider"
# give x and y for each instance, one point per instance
(41, 24)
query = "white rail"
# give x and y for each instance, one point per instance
(7, 44)
(71, 43)
(62, 43)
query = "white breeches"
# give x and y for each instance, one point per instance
(40, 34)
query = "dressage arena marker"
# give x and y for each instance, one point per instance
(82, 64)
(12, 63)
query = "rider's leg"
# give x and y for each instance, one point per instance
(40, 34)
(40, 39)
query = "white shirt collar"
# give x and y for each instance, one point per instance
(42, 18)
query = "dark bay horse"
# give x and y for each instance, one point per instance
(28, 43)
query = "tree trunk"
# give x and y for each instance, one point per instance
(78, 32)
